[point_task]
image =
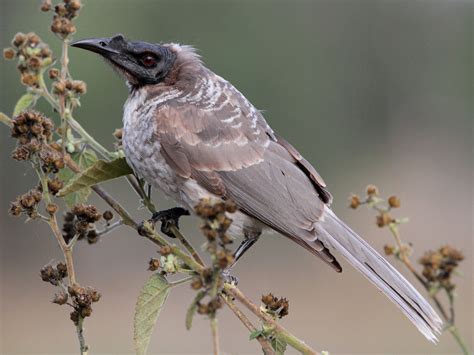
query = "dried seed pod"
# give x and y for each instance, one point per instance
(389, 249)
(153, 264)
(372, 190)
(46, 5)
(60, 298)
(53, 73)
(54, 185)
(196, 283)
(394, 202)
(15, 209)
(165, 250)
(354, 201)
(9, 53)
(108, 215)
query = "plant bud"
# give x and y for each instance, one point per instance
(53, 73)
(108, 215)
(60, 298)
(389, 249)
(19, 39)
(354, 201)
(165, 250)
(52, 208)
(59, 87)
(46, 6)
(372, 190)
(153, 264)
(86, 311)
(394, 202)
(383, 219)
(9, 53)
(196, 284)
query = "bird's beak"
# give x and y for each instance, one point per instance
(96, 45)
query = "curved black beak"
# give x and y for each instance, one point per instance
(96, 45)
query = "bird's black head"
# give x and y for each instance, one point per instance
(141, 63)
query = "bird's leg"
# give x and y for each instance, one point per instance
(169, 218)
(250, 239)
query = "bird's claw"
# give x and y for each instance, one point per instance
(169, 218)
(228, 278)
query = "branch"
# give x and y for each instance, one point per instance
(215, 335)
(284, 334)
(266, 347)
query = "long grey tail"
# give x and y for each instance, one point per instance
(337, 235)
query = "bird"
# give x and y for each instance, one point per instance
(191, 134)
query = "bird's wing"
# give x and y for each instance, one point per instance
(229, 149)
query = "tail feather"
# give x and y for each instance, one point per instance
(337, 235)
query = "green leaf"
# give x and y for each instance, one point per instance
(99, 172)
(85, 160)
(24, 103)
(150, 301)
(278, 345)
(255, 334)
(192, 309)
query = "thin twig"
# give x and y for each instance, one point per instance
(110, 228)
(80, 335)
(215, 335)
(266, 346)
(284, 335)
(186, 244)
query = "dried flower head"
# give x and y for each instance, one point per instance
(372, 190)
(394, 202)
(275, 306)
(108, 215)
(439, 265)
(86, 213)
(60, 298)
(354, 201)
(153, 264)
(383, 219)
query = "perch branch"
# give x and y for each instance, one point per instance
(266, 347)
(286, 336)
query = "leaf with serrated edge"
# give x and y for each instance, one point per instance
(99, 172)
(85, 159)
(150, 301)
(24, 103)
(192, 309)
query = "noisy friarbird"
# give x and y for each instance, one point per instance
(193, 135)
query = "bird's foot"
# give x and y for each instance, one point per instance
(169, 218)
(228, 278)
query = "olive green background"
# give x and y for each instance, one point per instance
(369, 91)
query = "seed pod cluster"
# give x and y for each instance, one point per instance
(82, 299)
(81, 221)
(64, 13)
(276, 307)
(69, 88)
(439, 266)
(32, 54)
(210, 308)
(32, 131)
(26, 203)
(54, 274)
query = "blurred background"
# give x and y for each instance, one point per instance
(369, 91)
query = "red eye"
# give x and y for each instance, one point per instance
(149, 61)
